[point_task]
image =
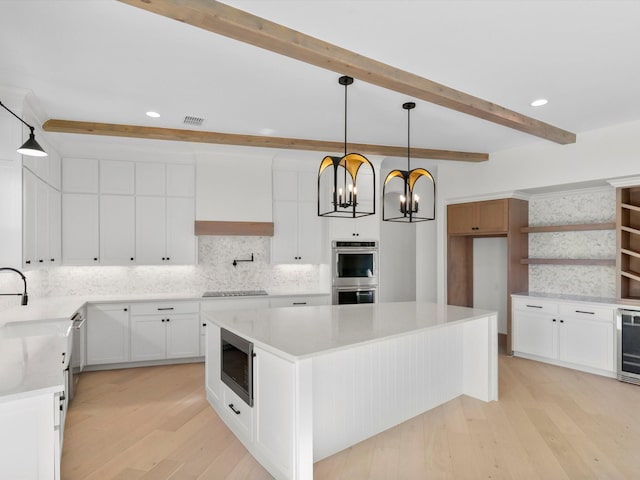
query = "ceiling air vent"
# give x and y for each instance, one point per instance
(193, 121)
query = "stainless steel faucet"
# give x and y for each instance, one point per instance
(25, 297)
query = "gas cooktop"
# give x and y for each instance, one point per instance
(235, 293)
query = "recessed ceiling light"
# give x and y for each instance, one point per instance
(153, 114)
(539, 102)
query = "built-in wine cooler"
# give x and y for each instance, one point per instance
(629, 346)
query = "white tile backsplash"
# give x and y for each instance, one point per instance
(213, 272)
(592, 206)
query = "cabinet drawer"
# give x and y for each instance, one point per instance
(534, 305)
(232, 404)
(588, 312)
(164, 308)
(299, 301)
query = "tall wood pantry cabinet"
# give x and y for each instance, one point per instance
(491, 218)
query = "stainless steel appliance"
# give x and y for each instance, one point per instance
(628, 323)
(354, 263)
(354, 295)
(237, 365)
(76, 364)
(354, 272)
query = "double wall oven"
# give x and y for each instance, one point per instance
(354, 272)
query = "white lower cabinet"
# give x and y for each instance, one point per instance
(165, 330)
(30, 437)
(107, 334)
(576, 335)
(267, 429)
(274, 392)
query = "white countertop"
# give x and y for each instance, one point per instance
(31, 365)
(570, 298)
(297, 333)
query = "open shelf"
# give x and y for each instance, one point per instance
(569, 261)
(630, 274)
(580, 227)
(630, 207)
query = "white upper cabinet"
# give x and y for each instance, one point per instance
(181, 180)
(181, 240)
(41, 222)
(29, 205)
(117, 229)
(80, 227)
(55, 227)
(151, 226)
(298, 230)
(150, 179)
(116, 177)
(80, 175)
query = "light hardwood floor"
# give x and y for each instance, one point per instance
(550, 423)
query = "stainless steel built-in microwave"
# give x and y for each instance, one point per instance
(236, 360)
(354, 263)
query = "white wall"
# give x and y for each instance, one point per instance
(490, 277)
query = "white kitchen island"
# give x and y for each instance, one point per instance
(328, 377)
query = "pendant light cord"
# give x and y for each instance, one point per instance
(345, 119)
(408, 140)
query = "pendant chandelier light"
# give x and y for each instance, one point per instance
(347, 184)
(402, 189)
(30, 147)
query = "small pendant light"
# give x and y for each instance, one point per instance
(348, 188)
(30, 147)
(402, 189)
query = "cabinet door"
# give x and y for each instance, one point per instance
(55, 226)
(310, 234)
(586, 342)
(284, 244)
(212, 361)
(116, 177)
(117, 229)
(80, 229)
(534, 334)
(29, 202)
(150, 178)
(107, 334)
(150, 230)
(461, 218)
(148, 337)
(181, 180)
(181, 240)
(274, 383)
(492, 216)
(42, 222)
(183, 336)
(285, 186)
(79, 175)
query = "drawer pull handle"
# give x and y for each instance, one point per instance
(534, 306)
(299, 303)
(584, 311)
(165, 308)
(237, 412)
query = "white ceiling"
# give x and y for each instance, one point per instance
(105, 61)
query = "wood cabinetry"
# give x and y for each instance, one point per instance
(108, 334)
(577, 335)
(491, 216)
(628, 244)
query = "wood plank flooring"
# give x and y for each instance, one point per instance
(550, 423)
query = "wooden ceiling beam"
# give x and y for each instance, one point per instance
(179, 135)
(231, 22)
